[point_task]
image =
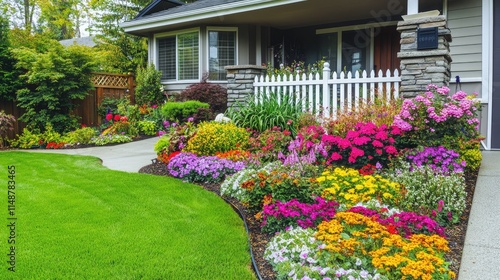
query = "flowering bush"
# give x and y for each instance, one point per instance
(212, 137)
(440, 159)
(283, 183)
(176, 138)
(279, 215)
(431, 116)
(268, 144)
(424, 189)
(348, 187)
(209, 169)
(367, 143)
(232, 185)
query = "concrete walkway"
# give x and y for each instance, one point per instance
(481, 255)
(129, 157)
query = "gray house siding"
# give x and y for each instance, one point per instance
(465, 23)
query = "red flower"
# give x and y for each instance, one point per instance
(116, 118)
(109, 117)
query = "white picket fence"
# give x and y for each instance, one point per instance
(330, 94)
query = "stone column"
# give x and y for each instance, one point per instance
(422, 67)
(240, 80)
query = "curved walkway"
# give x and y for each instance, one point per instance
(129, 157)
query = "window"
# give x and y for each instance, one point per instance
(178, 56)
(221, 53)
(354, 46)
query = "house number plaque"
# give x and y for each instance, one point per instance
(427, 38)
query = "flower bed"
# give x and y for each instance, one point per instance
(373, 204)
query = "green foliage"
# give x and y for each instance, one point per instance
(132, 112)
(179, 111)
(424, 190)
(213, 94)
(109, 105)
(102, 140)
(147, 127)
(6, 123)
(149, 89)
(283, 183)
(26, 140)
(267, 145)
(80, 136)
(49, 135)
(52, 81)
(162, 145)
(213, 137)
(472, 157)
(9, 75)
(272, 110)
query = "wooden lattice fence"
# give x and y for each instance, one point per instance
(105, 85)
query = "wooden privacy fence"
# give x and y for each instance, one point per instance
(105, 85)
(329, 94)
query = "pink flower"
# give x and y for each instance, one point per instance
(336, 156)
(440, 205)
(109, 117)
(377, 144)
(391, 150)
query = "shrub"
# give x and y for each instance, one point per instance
(213, 94)
(53, 79)
(280, 215)
(266, 146)
(80, 136)
(366, 144)
(149, 89)
(109, 105)
(348, 187)
(271, 110)
(232, 185)
(6, 123)
(176, 139)
(26, 140)
(49, 135)
(203, 169)
(431, 117)
(147, 127)
(425, 189)
(283, 183)
(180, 111)
(212, 137)
(472, 157)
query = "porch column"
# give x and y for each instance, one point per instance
(421, 62)
(240, 80)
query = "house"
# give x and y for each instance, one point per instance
(188, 40)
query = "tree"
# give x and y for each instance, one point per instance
(9, 76)
(52, 80)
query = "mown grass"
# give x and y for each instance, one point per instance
(80, 220)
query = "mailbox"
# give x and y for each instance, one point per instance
(427, 38)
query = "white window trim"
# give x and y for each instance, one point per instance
(214, 28)
(172, 34)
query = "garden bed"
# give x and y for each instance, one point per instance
(455, 234)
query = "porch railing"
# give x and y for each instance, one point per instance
(330, 94)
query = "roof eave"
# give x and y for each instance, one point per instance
(136, 26)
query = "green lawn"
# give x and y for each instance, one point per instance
(79, 220)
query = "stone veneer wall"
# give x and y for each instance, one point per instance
(240, 80)
(422, 67)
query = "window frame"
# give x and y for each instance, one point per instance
(207, 43)
(175, 34)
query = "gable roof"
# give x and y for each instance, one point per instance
(158, 6)
(196, 11)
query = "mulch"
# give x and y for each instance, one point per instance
(455, 234)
